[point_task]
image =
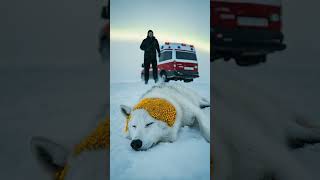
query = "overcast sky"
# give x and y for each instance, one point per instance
(46, 32)
(171, 20)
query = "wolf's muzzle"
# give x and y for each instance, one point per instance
(136, 144)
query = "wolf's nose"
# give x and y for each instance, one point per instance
(136, 144)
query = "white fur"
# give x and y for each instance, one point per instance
(87, 165)
(188, 113)
(251, 132)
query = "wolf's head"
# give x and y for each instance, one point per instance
(148, 122)
(88, 160)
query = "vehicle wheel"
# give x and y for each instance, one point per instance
(242, 62)
(187, 80)
(263, 58)
(164, 77)
(250, 60)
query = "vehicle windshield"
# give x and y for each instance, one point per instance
(186, 55)
(166, 55)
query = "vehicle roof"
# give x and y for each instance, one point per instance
(266, 2)
(177, 46)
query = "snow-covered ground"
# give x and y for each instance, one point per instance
(256, 109)
(187, 158)
(60, 103)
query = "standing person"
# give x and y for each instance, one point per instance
(150, 45)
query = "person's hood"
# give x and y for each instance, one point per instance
(148, 34)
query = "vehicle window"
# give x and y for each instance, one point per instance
(186, 55)
(165, 56)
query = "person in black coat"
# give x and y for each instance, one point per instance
(150, 46)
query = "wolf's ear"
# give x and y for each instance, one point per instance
(50, 155)
(126, 110)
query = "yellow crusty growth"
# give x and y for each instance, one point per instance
(158, 108)
(98, 139)
(60, 175)
(126, 128)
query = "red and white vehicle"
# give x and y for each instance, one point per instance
(246, 30)
(178, 61)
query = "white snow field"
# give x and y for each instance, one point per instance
(59, 103)
(256, 112)
(186, 158)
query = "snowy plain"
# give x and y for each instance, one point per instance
(60, 103)
(186, 158)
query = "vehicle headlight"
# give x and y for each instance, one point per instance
(275, 17)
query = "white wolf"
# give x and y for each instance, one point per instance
(88, 160)
(161, 112)
(256, 135)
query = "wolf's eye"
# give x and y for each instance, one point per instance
(134, 126)
(147, 125)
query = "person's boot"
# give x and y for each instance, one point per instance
(146, 82)
(155, 81)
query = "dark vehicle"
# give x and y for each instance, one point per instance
(245, 30)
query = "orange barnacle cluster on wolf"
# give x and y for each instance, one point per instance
(60, 175)
(98, 139)
(158, 108)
